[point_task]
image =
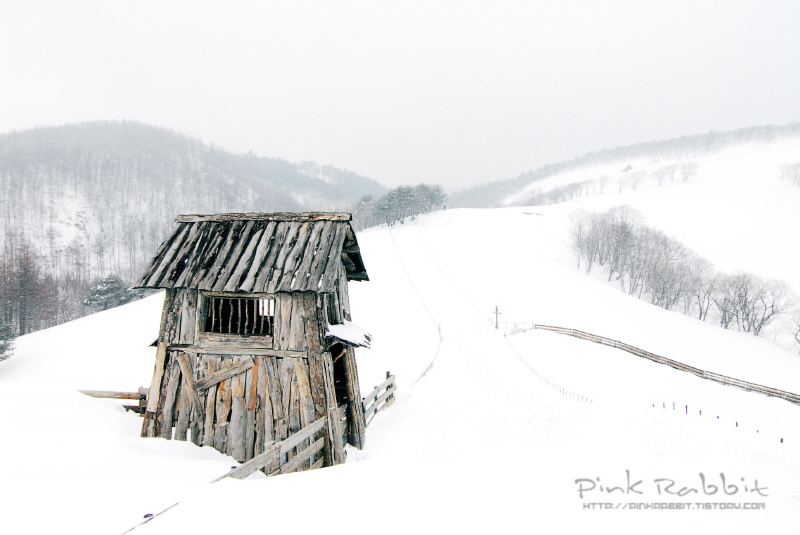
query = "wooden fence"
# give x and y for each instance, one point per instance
(381, 397)
(296, 452)
(141, 396)
(722, 379)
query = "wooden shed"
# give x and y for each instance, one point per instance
(255, 341)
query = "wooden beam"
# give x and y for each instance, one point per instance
(278, 216)
(229, 349)
(224, 373)
(357, 424)
(188, 376)
(110, 395)
(357, 276)
(303, 456)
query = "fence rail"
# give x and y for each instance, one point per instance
(711, 376)
(381, 397)
(140, 396)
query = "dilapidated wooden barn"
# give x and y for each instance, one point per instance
(256, 341)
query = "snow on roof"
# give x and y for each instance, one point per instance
(349, 333)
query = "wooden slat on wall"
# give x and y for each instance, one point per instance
(210, 402)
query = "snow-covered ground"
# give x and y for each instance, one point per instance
(487, 441)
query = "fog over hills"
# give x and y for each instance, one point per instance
(512, 191)
(99, 197)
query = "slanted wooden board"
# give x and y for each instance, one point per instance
(223, 374)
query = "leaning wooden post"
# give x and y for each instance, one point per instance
(315, 365)
(355, 416)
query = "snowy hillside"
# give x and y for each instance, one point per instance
(491, 439)
(736, 211)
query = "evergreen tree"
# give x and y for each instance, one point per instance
(6, 341)
(109, 292)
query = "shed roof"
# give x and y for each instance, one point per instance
(256, 253)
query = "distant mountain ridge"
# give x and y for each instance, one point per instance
(494, 194)
(99, 197)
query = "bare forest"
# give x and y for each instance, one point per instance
(85, 202)
(650, 265)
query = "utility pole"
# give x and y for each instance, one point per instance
(496, 316)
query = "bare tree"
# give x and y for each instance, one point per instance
(791, 172)
(663, 173)
(688, 170)
(601, 182)
(702, 284)
(636, 178)
(622, 182)
(796, 325)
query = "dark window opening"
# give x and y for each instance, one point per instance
(339, 373)
(246, 316)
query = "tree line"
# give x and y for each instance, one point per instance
(651, 265)
(397, 205)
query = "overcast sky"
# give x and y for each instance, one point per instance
(404, 92)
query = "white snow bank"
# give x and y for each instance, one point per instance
(350, 333)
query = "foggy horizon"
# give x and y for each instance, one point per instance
(451, 93)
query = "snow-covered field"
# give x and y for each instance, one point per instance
(486, 441)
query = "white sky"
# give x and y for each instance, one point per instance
(452, 92)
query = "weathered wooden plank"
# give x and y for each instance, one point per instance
(283, 252)
(225, 373)
(251, 405)
(165, 260)
(313, 339)
(211, 397)
(355, 410)
(303, 434)
(158, 374)
(306, 401)
(243, 239)
(205, 258)
(330, 281)
(184, 410)
(323, 257)
(255, 341)
(294, 407)
(303, 271)
(297, 334)
(273, 385)
(166, 415)
(155, 262)
(227, 244)
(188, 376)
(265, 274)
(178, 264)
(318, 463)
(269, 457)
(242, 262)
(294, 258)
(259, 257)
(110, 394)
(222, 409)
(334, 429)
(277, 216)
(196, 257)
(283, 320)
(238, 426)
(302, 457)
(263, 414)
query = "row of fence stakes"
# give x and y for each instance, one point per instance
(700, 412)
